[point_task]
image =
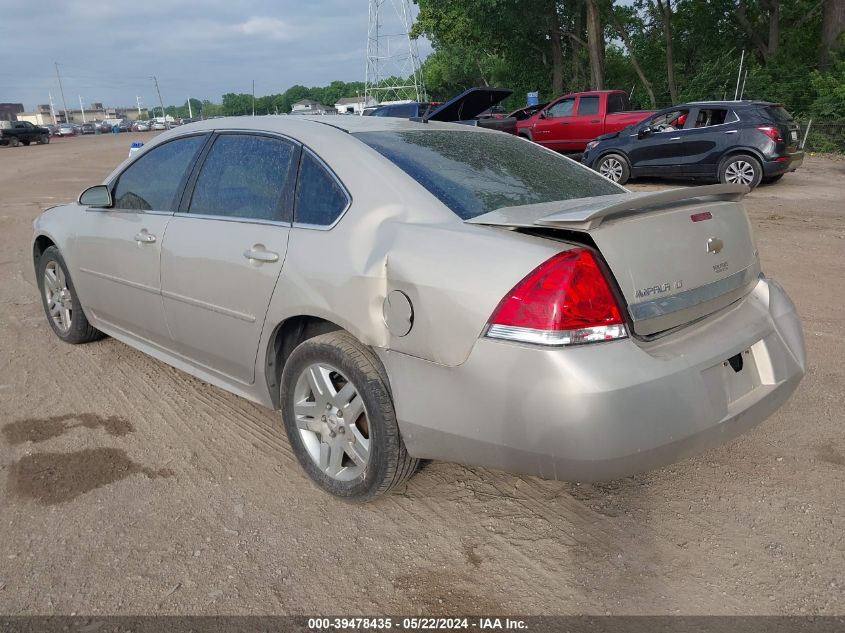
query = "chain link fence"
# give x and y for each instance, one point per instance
(824, 136)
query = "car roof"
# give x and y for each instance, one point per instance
(729, 104)
(304, 126)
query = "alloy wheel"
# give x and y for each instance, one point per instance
(332, 422)
(58, 295)
(611, 168)
(740, 172)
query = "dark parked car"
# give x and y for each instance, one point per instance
(16, 133)
(89, 128)
(742, 142)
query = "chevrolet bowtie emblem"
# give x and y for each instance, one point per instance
(714, 245)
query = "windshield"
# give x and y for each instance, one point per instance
(473, 173)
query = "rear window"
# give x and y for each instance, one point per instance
(474, 173)
(778, 113)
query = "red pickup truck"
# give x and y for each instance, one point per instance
(569, 122)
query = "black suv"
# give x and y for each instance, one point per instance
(745, 142)
(23, 132)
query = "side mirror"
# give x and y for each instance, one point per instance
(543, 114)
(643, 132)
(97, 196)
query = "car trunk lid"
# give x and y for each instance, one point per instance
(676, 255)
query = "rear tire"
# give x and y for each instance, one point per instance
(45, 138)
(357, 455)
(60, 302)
(740, 169)
(614, 167)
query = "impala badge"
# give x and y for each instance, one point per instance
(714, 245)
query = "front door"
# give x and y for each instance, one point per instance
(224, 250)
(118, 250)
(587, 123)
(551, 127)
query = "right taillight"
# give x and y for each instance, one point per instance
(772, 132)
(566, 300)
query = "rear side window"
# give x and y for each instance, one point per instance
(588, 105)
(153, 181)
(473, 173)
(711, 116)
(244, 176)
(616, 103)
(319, 197)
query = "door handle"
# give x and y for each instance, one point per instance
(731, 132)
(596, 121)
(675, 138)
(258, 254)
(145, 238)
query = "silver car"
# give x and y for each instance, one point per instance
(404, 290)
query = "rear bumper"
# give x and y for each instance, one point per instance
(789, 162)
(609, 410)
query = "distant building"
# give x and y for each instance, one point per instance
(96, 112)
(307, 106)
(8, 111)
(354, 105)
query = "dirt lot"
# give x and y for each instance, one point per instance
(129, 487)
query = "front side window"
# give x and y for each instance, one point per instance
(669, 121)
(473, 173)
(153, 181)
(588, 105)
(244, 176)
(561, 108)
(319, 198)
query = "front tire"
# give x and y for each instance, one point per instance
(60, 302)
(45, 138)
(741, 169)
(339, 417)
(14, 141)
(614, 167)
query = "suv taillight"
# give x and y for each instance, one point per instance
(772, 132)
(564, 301)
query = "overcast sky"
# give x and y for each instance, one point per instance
(201, 48)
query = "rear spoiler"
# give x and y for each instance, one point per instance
(588, 213)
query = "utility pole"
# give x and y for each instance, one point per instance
(190, 112)
(62, 90)
(160, 102)
(82, 108)
(138, 101)
(52, 109)
(739, 74)
(253, 97)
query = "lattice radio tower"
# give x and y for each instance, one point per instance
(393, 63)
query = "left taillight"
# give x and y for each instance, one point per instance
(566, 300)
(772, 132)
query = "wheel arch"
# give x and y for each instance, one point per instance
(733, 151)
(611, 150)
(40, 244)
(286, 336)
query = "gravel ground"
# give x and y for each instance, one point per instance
(131, 488)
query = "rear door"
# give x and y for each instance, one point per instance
(587, 122)
(709, 131)
(223, 251)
